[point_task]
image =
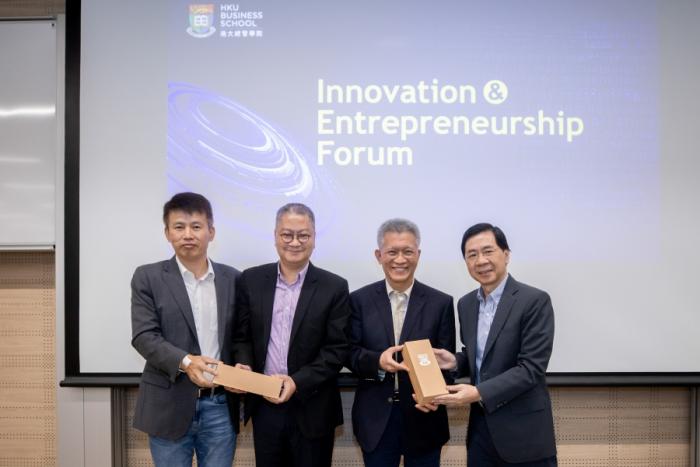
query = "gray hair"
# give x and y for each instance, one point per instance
(295, 208)
(397, 225)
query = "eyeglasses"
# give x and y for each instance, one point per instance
(288, 237)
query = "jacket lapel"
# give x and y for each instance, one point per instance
(308, 289)
(222, 283)
(173, 280)
(470, 327)
(383, 308)
(267, 299)
(415, 305)
(502, 312)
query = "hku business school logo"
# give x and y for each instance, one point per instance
(201, 21)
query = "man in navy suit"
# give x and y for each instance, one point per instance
(385, 314)
(507, 328)
(181, 315)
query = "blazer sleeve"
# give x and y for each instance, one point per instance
(242, 348)
(536, 341)
(363, 361)
(334, 351)
(146, 333)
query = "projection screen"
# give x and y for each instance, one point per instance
(571, 125)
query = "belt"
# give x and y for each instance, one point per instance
(209, 392)
(394, 397)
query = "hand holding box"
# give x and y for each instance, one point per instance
(424, 372)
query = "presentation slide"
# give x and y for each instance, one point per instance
(543, 118)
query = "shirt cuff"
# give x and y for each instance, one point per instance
(186, 361)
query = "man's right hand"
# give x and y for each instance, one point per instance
(446, 360)
(199, 370)
(387, 361)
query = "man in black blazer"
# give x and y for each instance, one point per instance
(181, 312)
(292, 320)
(386, 314)
(508, 330)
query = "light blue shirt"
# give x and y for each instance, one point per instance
(487, 311)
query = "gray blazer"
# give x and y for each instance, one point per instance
(513, 386)
(163, 332)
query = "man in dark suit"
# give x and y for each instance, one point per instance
(181, 311)
(508, 331)
(292, 320)
(386, 314)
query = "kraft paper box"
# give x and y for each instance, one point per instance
(249, 381)
(425, 374)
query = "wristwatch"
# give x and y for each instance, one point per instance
(186, 361)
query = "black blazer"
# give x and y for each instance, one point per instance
(513, 387)
(163, 332)
(430, 315)
(318, 345)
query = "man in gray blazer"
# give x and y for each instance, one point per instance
(507, 329)
(181, 316)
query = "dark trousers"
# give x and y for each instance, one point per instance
(480, 449)
(278, 441)
(392, 445)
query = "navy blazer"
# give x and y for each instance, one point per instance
(513, 386)
(163, 332)
(430, 315)
(318, 344)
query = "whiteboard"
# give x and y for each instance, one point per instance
(28, 133)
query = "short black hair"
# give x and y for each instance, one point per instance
(189, 203)
(476, 229)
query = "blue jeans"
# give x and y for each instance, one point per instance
(210, 436)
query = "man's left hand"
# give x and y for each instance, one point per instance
(289, 387)
(425, 407)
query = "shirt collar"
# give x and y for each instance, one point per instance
(300, 277)
(390, 289)
(497, 292)
(187, 273)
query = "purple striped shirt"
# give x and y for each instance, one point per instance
(283, 308)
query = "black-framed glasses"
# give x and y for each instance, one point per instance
(288, 237)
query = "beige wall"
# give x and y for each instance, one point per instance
(27, 362)
(635, 427)
(31, 8)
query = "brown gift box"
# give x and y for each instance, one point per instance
(425, 374)
(249, 381)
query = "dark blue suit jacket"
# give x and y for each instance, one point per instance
(430, 315)
(513, 387)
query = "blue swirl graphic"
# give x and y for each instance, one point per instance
(238, 160)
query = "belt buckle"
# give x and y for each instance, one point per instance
(395, 396)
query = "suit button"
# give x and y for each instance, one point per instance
(390, 399)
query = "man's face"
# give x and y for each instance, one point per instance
(295, 240)
(189, 234)
(486, 261)
(399, 256)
